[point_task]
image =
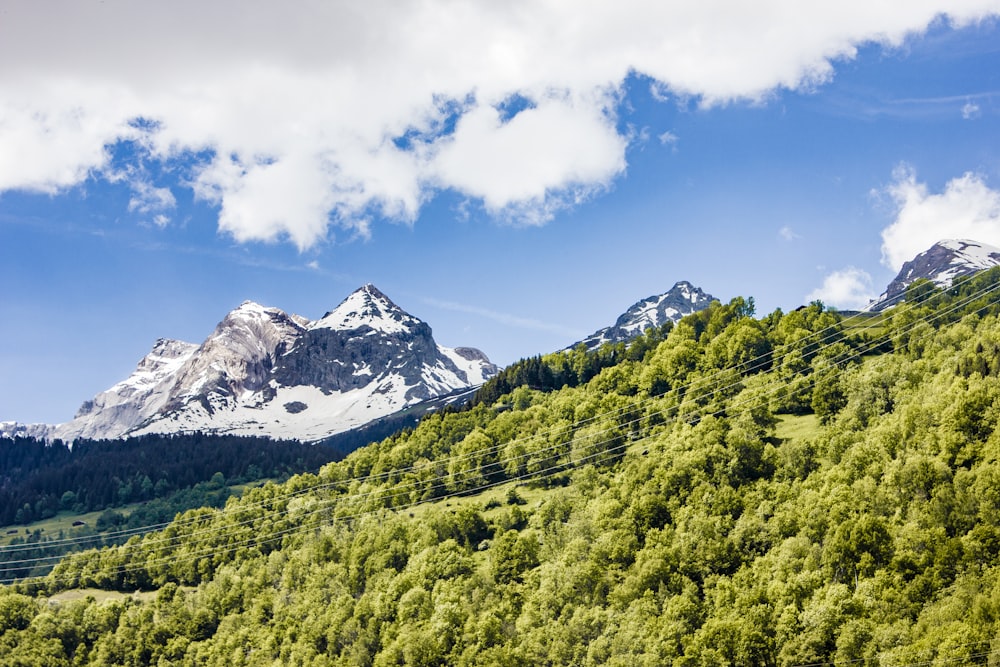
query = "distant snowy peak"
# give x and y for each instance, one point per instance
(238, 356)
(367, 307)
(682, 299)
(942, 263)
(134, 399)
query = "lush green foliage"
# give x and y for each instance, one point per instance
(661, 518)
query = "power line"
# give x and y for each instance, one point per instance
(437, 482)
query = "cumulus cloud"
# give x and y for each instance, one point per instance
(848, 289)
(970, 110)
(967, 209)
(305, 116)
(559, 145)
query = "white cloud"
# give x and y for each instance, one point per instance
(297, 106)
(788, 234)
(848, 289)
(967, 209)
(567, 145)
(970, 110)
(147, 198)
(668, 138)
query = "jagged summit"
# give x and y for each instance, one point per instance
(682, 299)
(367, 307)
(265, 372)
(942, 263)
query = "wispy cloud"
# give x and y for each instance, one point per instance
(670, 139)
(147, 198)
(788, 234)
(867, 103)
(970, 110)
(505, 318)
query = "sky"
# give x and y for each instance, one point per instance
(515, 174)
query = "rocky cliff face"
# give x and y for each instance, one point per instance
(682, 299)
(266, 372)
(942, 263)
(237, 358)
(367, 340)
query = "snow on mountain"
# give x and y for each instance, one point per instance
(367, 307)
(265, 372)
(682, 299)
(942, 263)
(116, 410)
(135, 398)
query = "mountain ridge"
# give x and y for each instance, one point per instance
(263, 371)
(680, 300)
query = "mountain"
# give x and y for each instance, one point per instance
(266, 372)
(682, 299)
(942, 263)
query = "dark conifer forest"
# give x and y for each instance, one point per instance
(39, 479)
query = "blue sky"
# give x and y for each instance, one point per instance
(516, 176)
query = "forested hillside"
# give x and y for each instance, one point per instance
(797, 489)
(37, 479)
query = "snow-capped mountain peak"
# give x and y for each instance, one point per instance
(969, 254)
(165, 359)
(942, 263)
(682, 299)
(366, 307)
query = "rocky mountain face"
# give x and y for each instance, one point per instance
(265, 372)
(942, 263)
(682, 299)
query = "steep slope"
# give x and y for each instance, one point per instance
(942, 263)
(610, 523)
(266, 372)
(682, 299)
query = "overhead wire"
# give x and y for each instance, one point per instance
(833, 331)
(187, 536)
(757, 362)
(395, 491)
